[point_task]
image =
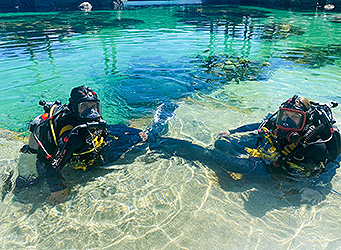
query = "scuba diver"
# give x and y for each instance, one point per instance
(300, 139)
(77, 133)
(297, 147)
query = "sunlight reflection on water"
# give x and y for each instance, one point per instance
(136, 61)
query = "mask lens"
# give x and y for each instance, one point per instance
(291, 119)
(89, 110)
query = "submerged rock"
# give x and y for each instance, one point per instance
(279, 31)
(116, 5)
(314, 56)
(238, 22)
(227, 69)
(32, 33)
(329, 7)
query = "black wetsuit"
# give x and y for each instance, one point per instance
(229, 155)
(311, 159)
(118, 140)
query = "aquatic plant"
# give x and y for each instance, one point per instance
(227, 69)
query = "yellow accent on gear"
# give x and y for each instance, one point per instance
(81, 165)
(65, 128)
(293, 165)
(97, 142)
(235, 176)
(270, 154)
(51, 125)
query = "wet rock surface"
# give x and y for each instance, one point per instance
(57, 5)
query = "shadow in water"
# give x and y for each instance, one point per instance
(262, 191)
(265, 189)
(123, 146)
(19, 189)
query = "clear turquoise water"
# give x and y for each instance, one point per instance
(136, 59)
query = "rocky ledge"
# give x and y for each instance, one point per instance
(328, 5)
(58, 5)
(87, 5)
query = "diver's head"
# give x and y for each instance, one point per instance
(84, 104)
(292, 114)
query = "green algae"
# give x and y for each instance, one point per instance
(231, 69)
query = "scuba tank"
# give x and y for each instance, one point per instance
(34, 126)
(44, 125)
(320, 128)
(327, 123)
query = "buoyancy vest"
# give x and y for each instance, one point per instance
(322, 131)
(50, 133)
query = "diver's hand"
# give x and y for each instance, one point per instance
(144, 136)
(58, 197)
(223, 134)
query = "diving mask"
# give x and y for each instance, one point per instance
(89, 110)
(291, 119)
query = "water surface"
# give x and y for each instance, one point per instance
(225, 66)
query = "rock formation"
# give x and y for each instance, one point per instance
(57, 5)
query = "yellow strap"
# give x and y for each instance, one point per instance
(235, 176)
(288, 149)
(293, 165)
(86, 152)
(65, 128)
(292, 146)
(51, 125)
(98, 141)
(254, 152)
(81, 165)
(261, 153)
(285, 153)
